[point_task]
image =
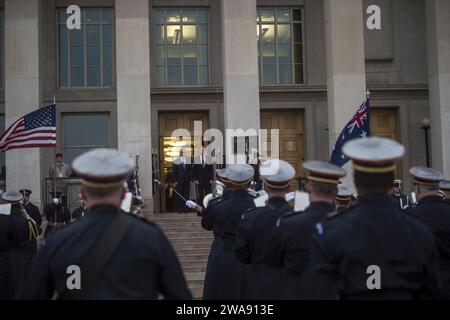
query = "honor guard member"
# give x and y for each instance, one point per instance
(264, 282)
(400, 199)
(114, 254)
(7, 232)
(444, 188)
(225, 274)
(372, 250)
(435, 212)
(56, 213)
(343, 199)
(289, 245)
(35, 214)
(24, 231)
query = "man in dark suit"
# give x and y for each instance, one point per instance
(35, 214)
(182, 176)
(203, 175)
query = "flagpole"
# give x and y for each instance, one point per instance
(54, 154)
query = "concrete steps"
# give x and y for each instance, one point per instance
(191, 244)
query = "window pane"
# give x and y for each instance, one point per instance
(172, 16)
(298, 73)
(62, 34)
(63, 56)
(269, 74)
(203, 34)
(159, 34)
(284, 53)
(76, 37)
(92, 16)
(174, 75)
(284, 33)
(267, 15)
(283, 15)
(173, 55)
(93, 34)
(159, 55)
(267, 33)
(107, 76)
(63, 76)
(285, 73)
(173, 34)
(160, 75)
(190, 75)
(298, 32)
(297, 15)
(203, 54)
(203, 75)
(107, 35)
(190, 55)
(93, 56)
(93, 76)
(107, 16)
(76, 56)
(107, 56)
(159, 15)
(189, 15)
(202, 16)
(86, 130)
(190, 34)
(268, 54)
(2, 155)
(76, 77)
(298, 54)
(62, 16)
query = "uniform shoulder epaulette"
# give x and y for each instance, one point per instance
(338, 213)
(287, 215)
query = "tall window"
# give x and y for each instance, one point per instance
(280, 45)
(85, 55)
(181, 47)
(85, 131)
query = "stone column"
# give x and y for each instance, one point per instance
(240, 65)
(22, 89)
(346, 78)
(438, 51)
(133, 87)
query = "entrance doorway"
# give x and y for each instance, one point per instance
(290, 124)
(169, 148)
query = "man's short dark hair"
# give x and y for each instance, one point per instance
(373, 182)
(99, 192)
(59, 155)
(324, 189)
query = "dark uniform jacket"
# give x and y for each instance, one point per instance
(225, 274)
(348, 249)
(401, 200)
(57, 215)
(34, 213)
(6, 235)
(435, 212)
(289, 245)
(19, 254)
(264, 282)
(143, 265)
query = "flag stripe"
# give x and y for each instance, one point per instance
(31, 138)
(12, 128)
(44, 143)
(34, 131)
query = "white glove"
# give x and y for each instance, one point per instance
(191, 204)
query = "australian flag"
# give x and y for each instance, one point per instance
(357, 127)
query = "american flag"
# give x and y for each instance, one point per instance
(35, 129)
(357, 127)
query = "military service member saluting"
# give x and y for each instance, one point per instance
(435, 212)
(119, 255)
(372, 250)
(264, 282)
(289, 245)
(225, 274)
